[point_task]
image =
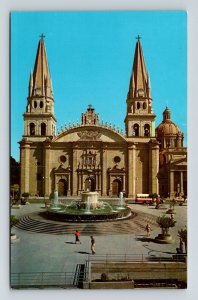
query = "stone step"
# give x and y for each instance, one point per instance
(36, 224)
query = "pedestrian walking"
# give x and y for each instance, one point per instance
(181, 246)
(77, 237)
(93, 245)
(148, 229)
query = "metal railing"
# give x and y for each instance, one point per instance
(42, 279)
(135, 258)
(76, 279)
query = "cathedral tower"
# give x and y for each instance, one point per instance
(140, 119)
(39, 119)
(39, 127)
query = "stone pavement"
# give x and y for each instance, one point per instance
(43, 252)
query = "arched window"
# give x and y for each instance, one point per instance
(41, 104)
(32, 129)
(135, 130)
(146, 130)
(144, 105)
(43, 129)
(35, 104)
(138, 105)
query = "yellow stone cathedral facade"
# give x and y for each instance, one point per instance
(95, 155)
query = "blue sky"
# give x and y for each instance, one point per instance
(90, 57)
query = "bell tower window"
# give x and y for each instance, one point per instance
(35, 104)
(135, 130)
(146, 130)
(43, 129)
(41, 104)
(138, 105)
(32, 129)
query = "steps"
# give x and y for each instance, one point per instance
(35, 223)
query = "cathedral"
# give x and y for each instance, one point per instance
(95, 155)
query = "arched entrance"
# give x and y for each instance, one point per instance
(62, 187)
(116, 187)
(90, 184)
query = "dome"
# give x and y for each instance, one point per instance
(167, 127)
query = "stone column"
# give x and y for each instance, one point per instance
(104, 172)
(69, 185)
(171, 185)
(153, 167)
(24, 167)
(78, 182)
(181, 183)
(81, 181)
(110, 179)
(131, 171)
(47, 159)
(55, 183)
(124, 187)
(74, 174)
(97, 176)
(99, 181)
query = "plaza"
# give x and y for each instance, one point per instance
(40, 250)
(92, 155)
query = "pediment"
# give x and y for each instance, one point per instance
(115, 169)
(179, 162)
(61, 170)
(90, 133)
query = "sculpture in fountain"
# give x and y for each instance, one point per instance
(89, 208)
(91, 199)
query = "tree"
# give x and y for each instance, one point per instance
(14, 171)
(182, 233)
(165, 223)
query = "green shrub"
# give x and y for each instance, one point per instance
(165, 223)
(13, 221)
(153, 196)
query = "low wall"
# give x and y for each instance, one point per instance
(139, 270)
(109, 285)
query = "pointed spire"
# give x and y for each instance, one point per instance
(30, 84)
(139, 82)
(41, 75)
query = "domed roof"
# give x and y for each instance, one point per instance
(167, 127)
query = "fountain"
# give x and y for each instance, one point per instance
(122, 202)
(88, 209)
(88, 206)
(55, 202)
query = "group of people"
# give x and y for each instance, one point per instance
(93, 243)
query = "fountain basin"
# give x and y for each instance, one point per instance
(88, 209)
(69, 214)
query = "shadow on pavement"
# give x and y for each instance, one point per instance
(82, 252)
(70, 243)
(144, 239)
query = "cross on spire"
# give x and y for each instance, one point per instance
(42, 36)
(138, 37)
